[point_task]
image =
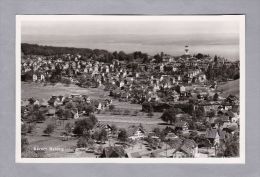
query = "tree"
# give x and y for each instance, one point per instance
(215, 97)
(230, 146)
(103, 135)
(199, 112)
(122, 135)
(24, 129)
(69, 105)
(158, 58)
(169, 115)
(236, 76)
(122, 56)
(129, 57)
(232, 149)
(82, 125)
(150, 111)
(215, 58)
(93, 119)
(49, 129)
(36, 115)
(113, 128)
(68, 128)
(115, 55)
(82, 142)
(31, 100)
(145, 58)
(40, 116)
(157, 131)
(60, 112)
(202, 141)
(111, 107)
(30, 128)
(28, 76)
(24, 143)
(211, 113)
(89, 109)
(67, 114)
(95, 135)
(199, 56)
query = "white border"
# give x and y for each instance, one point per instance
(239, 18)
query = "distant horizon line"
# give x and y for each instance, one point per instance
(111, 51)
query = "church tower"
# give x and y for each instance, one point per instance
(186, 50)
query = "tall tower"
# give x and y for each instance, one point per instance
(186, 50)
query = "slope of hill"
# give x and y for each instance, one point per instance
(231, 87)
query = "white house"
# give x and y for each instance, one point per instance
(34, 77)
(182, 89)
(136, 133)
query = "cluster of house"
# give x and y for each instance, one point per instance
(70, 66)
(52, 106)
(135, 82)
(178, 140)
(224, 122)
(173, 145)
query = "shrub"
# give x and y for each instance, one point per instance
(68, 128)
(30, 128)
(100, 135)
(82, 125)
(111, 107)
(67, 114)
(122, 136)
(169, 115)
(84, 142)
(66, 81)
(113, 128)
(93, 119)
(24, 129)
(24, 143)
(30, 153)
(89, 109)
(69, 105)
(49, 129)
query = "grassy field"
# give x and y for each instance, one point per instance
(39, 90)
(231, 87)
(124, 121)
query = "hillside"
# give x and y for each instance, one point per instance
(231, 87)
(34, 49)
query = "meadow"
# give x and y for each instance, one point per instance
(65, 148)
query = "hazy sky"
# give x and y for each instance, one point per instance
(151, 36)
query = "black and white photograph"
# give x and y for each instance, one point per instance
(130, 88)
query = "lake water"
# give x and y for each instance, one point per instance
(226, 45)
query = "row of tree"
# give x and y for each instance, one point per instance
(222, 73)
(96, 54)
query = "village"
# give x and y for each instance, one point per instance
(159, 106)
